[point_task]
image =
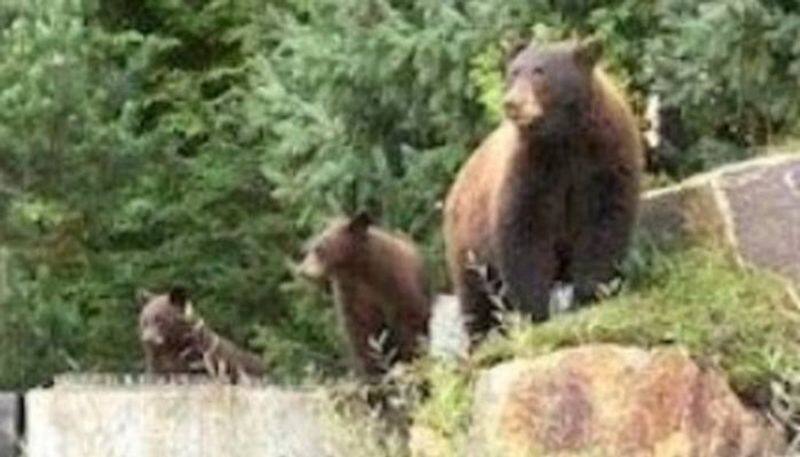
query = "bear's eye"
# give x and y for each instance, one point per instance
(537, 70)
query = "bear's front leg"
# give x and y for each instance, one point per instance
(606, 214)
(359, 314)
(527, 261)
(473, 297)
(150, 361)
(411, 328)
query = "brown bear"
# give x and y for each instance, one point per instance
(379, 285)
(176, 340)
(552, 194)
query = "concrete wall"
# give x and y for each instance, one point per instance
(10, 415)
(173, 420)
(140, 416)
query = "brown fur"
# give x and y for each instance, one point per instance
(221, 357)
(378, 282)
(552, 193)
(175, 340)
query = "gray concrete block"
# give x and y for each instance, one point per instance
(448, 335)
(174, 420)
(676, 215)
(752, 207)
(9, 423)
(764, 203)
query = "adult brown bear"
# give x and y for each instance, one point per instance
(379, 284)
(552, 193)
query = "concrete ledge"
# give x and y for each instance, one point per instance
(174, 420)
(10, 425)
(752, 207)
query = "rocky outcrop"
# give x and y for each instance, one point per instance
(752, 207)
(607, 400)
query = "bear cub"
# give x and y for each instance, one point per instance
(176, 340)
(379, 286)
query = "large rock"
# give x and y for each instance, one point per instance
(10, 415)
(175, 421)
(608, 400)
(752, 206)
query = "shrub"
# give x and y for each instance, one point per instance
(201, 142)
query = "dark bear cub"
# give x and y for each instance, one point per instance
(551, 195)
(379, 285)
(176, 340)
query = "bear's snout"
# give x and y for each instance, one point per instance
(521, 105)
(311, 267)
(152, 336)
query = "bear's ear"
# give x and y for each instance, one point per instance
(512, 47)
(143, 297)
(360, 222)
(178, 296)
(588, 52)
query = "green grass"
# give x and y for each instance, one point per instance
(446, 412)
(742, 321)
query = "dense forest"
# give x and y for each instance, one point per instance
(151, 142)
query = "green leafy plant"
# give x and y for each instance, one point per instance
(202, 142)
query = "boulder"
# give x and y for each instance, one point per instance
(752, 207)
(607, 400)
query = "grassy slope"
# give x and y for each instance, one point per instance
(697, 297)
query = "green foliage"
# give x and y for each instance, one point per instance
(201, 142)
(733, 68)
(56, 131)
